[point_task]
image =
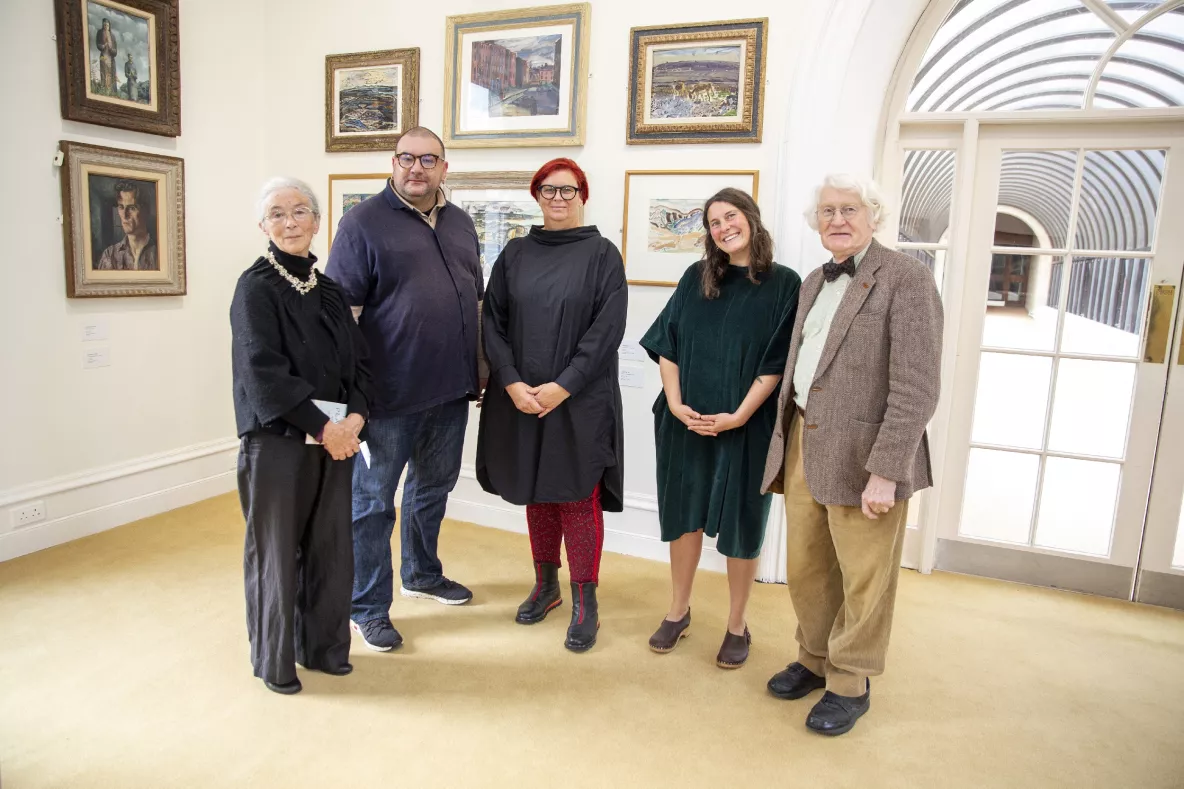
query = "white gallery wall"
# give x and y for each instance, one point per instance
(155, 429)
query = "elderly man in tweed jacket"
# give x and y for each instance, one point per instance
(862, 376)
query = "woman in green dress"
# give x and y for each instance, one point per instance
(721, 344)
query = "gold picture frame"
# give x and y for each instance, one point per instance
(659, 255)
(494, 97)
(371, 98)
(123, 222)
(697, 83)
(341, 200)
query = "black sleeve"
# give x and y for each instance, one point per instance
(495, 318)
(600, 343)
(661, 340)
(260, 365)
(774, 358)
(363, 391)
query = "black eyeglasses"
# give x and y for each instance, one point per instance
(407, 160)
(566, 192)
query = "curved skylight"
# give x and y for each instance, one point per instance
(1007, 55)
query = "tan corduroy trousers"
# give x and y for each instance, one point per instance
(843, 569)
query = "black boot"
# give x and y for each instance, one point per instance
(581, 634)
(543, 597)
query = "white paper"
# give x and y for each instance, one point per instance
(632, 351)
(96, 357)
(95, 330)
(335, 411)
(631, 376)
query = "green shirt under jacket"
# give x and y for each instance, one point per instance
(721, 346)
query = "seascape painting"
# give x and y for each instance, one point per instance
(695, 82)
(119, 53)
(676, 225)
(520, 76)
(499, 221)
(368, 99)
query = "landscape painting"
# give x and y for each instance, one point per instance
(676, 225)
(498, 222)
(371, 98)
(347, 191)
(368, 100)
(695, 82)
(119, 53)
(351, 199)
(520, 76)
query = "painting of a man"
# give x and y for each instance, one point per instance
(137, 250)
(105, 43)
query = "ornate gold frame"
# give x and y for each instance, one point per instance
(756, 179)
(408, 97)
(753, 32)
(517, 19)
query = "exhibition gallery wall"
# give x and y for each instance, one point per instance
(140, 132)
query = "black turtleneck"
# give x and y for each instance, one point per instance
(298, 267)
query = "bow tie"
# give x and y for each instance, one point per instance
(832, 270)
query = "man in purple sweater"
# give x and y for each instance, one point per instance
(409, 264)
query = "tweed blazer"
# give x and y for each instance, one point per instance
(876, 385)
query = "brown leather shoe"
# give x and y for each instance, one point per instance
(734, 651)
(669, 633)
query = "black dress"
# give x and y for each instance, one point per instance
(288, 349)
(555, 311)
(721, 346)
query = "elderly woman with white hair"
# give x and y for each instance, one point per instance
(864, 370)
(298, 359)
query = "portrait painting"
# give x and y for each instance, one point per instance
(500, 206)
(371, 98)
(119, 63)
(517, 78)
(697, 83)
(347, 191)
(663, 235)
(676, 225)
(124, 222)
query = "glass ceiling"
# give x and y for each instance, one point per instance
(1008, 55)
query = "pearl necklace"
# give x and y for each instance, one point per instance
(301, 287)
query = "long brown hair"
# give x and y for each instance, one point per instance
(760, 245)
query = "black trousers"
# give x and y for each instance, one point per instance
(298, 561)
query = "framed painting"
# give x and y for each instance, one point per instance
(371, 98)
(123, 222)
(119, 64)
(346, 191)
(697, 83)
(500, 205)
(663, 229)
(517, 78)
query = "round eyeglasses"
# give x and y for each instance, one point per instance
(407, 160)
(848, 212)
(566, 192)
(301, 214)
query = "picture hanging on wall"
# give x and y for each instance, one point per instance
(123, 222)
(346, 191)
(517, 78)
(697, 83)
(371, 98)
(119, 64)
(500, 205)
(663, 229)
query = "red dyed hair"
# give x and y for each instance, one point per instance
(554, 166)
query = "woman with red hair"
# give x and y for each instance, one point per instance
(551, 435)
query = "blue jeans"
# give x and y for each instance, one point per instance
(430, 443)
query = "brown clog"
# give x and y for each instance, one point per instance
(734, 651)
(668, 634)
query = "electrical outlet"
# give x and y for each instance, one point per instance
(27, 515)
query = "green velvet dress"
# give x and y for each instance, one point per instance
(721, 346)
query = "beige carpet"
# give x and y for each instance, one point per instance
(123, 663)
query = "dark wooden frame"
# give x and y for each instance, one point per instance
(408, 97)
(74, 74)
(75, 221)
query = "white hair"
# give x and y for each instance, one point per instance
(869, 194)
(280, 182)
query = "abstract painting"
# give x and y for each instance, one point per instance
(676, 225)
(517, 78)
(119, 64)
(124, 222)
(371, 98)
(697, 83)
(500, 206)
(664, 235)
